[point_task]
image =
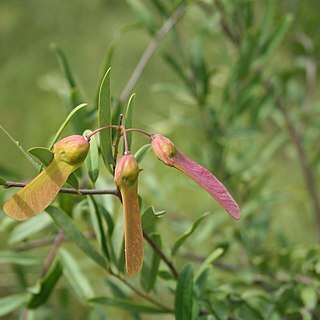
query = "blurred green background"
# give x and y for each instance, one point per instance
(32, 111)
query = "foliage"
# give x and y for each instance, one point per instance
(243, 101)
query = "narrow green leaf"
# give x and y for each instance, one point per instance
(187, 234)
(98, 227)
(29, 228)
(142, 152)
(47, 285)
(143, 14)
(277, 36)
(184, 294)
(11, 303)
(77, 279)
(92, 160)
(129, 116)
(127, 305)
(267, 21)
(3, 182)
(149, 273)
(65, 123)
(70, 229)
(104, 119)
(46, 156)
(74, 96)
(108, 218)
(149, 218)
(17, 144)
(18, 258)
(208, 261)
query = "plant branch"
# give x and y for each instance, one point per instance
(81, 192)
(33, 244)
(150, 50)
(160, 253)
(141, 294)
(52, 253)
(308, 175)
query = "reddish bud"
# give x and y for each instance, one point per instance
(167, 152)
(126, 179)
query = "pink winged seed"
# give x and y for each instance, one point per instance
(171, 156)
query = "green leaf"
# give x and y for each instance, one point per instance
(143, 14)
(74, 96)
(149, 218)
(127, 305)
(24, 152)
(46, 156)
(277, 36)
(309, 297)
(98, 227)
(70, 229)
(77, 279)
(142, 152)
(184, 294)
(47, 285)
(187, 234)
(108, 218)
(3, 182)
(11, 303)
(149, 273)
(18, 258)
(104, 119)
(129, 116)
(65, 123)
(208, 261)
(267, 21)
(92, 159)
(29, 228)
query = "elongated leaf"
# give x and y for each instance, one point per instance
(267, 21)
(11, 303)
(73, 97)
(70, 116)
(3, 182)
(47, 285)
(18, 258)
(98, 226)
(277, 36)
(70, 229)
(150, 218)
(208, 261)
(108, 218)
(149, 272)
(46, 156)
(92, 160)
(143, 14)
(127, 305)
(187, 234)
(142, 152)
(104, 119)
(29, 228)
(184, 294)
(77, 279)
(129, 116)
(24, 152)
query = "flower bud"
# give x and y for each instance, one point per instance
(126, 179)
(164, 149)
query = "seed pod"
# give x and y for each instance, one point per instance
(69, 154)
(167, 152)
(126, 179)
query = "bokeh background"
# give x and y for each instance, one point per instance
(31, 111)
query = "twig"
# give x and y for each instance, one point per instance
(52, 253)
(166, 27)
(141, 294)
(160, 253)
(82, 192)
(310, 182)
(33, 244)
